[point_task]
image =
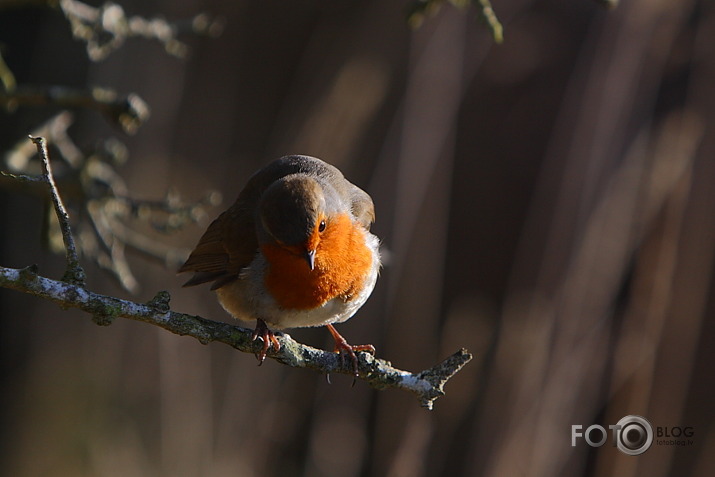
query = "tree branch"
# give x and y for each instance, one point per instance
(74, 272)
(109, 220)
(428, 385)
(128, 112)
(105, 29)
(418, 10)
(71, 292)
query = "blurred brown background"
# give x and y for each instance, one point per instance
(548, 203)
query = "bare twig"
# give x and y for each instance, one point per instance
(128, 112)
(54, 130)
(427, 385)
(22, 178)
(7, 79)
(105, 29)
(487, 14)
(418, 10)
(74, 272)
(176, 214)
(109, 220)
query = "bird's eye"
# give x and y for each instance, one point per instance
(321, 227)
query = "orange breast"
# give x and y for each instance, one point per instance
(342, 263)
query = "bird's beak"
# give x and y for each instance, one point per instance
(310, 258)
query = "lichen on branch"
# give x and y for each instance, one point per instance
(427, 385)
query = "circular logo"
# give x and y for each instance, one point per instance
(634, 436)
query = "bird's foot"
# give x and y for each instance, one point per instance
(269, 340)
(341, 345)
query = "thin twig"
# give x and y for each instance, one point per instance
(110, 221)
(7, 79)
(105, 29)
(128, 112)
(74, 273)
(428, 385)
(487, 14)
(23, 178)
(418, 10)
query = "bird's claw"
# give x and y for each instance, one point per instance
(341, 345)
(269, 340)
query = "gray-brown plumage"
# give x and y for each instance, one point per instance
(230, 243)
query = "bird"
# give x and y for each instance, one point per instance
(294, 250)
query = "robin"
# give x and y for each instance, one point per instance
(294, 250)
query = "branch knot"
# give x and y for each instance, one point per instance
(160, 302)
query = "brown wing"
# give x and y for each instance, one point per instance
(230, 243)
(227, 246)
